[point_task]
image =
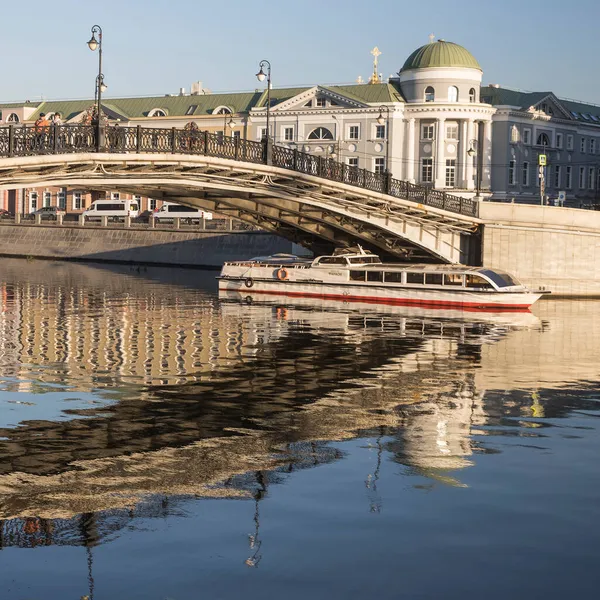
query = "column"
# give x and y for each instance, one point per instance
(470, 171)
(464, 157)
(440, 155)
(410, 154)
(486, 176)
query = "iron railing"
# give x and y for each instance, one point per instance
(64, 139)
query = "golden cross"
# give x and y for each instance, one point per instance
(376, 54)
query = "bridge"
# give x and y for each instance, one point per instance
(311, 200)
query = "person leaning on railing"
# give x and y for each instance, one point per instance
(40, 127)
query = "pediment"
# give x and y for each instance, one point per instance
(551, 106)
(304, 100)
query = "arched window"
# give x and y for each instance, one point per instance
(543, 140)
(452, 94)
(157, 112)
(320, 133)
(429, 94)
(223, 110)
(514, 134)
(472, 95)
(13, 118)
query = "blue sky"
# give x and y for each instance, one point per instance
(153, 47)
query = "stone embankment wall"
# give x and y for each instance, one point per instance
(161, 247)
(546, 247)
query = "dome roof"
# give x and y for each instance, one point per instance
(440, 54)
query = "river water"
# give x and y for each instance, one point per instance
(158, 442)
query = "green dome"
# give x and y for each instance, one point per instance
(440, 54)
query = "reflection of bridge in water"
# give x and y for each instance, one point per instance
(277, 385)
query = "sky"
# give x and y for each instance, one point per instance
(157, 47)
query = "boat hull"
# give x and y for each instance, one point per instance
(372, 294)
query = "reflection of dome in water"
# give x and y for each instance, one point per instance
(440, 54)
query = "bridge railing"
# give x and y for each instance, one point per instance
(30, 141)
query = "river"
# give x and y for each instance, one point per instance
(160, 442)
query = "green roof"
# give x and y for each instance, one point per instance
(440, 54)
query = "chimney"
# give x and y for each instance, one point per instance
(196, 88)
(182, 91)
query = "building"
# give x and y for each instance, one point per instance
(432, 123)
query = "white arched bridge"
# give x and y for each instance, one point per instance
(314, 201)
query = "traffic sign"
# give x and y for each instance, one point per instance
(542, 160)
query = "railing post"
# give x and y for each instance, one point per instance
(11, 139)
(444, 200)
(173, 140)
(205, 143)
(460, 205)
(54, 138)
(295, 160)
(426, 196)
(236, 148)
(138, 139)
(100, 137)
(388, 182)
(151, 221)
(267, 150)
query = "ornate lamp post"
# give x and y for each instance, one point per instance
(261, 76)
(381, 120)
(231, 123)
(474, 150)
(96, 44)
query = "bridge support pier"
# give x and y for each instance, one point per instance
(38, 219)
(127, 222)
(81, 220)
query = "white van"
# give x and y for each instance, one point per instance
(113, 209)
(169, 210)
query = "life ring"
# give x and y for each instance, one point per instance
(249, 282)
(282, 274)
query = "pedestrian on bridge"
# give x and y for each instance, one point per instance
(41, 129)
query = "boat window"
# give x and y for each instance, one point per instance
(433, 278)
(455, 279)
(500, 278)
(357, 275)
(393, 276)
(414, 278)
(364, 260)
(332, 260)
(475, 281)
(374, 275)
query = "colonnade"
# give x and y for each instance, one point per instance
(470, 132)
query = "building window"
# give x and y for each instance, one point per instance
(511, 172)
(220, 137)
(61, 198)
(527, 136)
(581, 179)
(525, 174)
(472, 95)
(427, 131)
(237, 135)
(157, 112)
(223, 110)
(543, 140)
(47, 201)
(452, 94)
(582, 145)
(557, 176)
(353, 161)
(569, 142)
(559, 141)
(591, 178)
(450, 172)
(380, 132)
(262, 133)
(379, 165)
(429, 94)
(514, 134)
(288, 134)
(33, 201)
(569, 177)
(12, 118)
(592, 146)
(452, 131)
(354, 132)
(77, 200)
(321, 103)
(152, 204)
(191, 109)
(320, 133)
(115, 196)
(427, 170)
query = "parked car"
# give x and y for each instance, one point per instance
(188, 214)
(4, 214)
(113, 209)
(49, 212)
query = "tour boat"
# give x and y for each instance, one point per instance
(354, 275)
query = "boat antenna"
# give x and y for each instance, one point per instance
(360, 249)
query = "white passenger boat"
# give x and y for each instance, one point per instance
(358, 276)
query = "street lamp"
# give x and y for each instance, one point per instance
(381, 120)
(96, 44)
(474, 150)
(231, 123)
(261, 76)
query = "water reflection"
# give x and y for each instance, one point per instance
(189, 396)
